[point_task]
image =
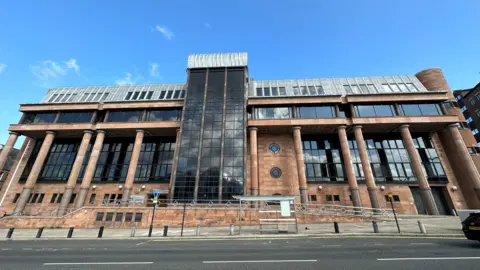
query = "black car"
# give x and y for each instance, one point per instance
(471, 226)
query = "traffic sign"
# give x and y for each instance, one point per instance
(156, 192)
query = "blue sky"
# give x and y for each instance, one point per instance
(89, 42)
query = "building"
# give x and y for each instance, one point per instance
(469, 102)
(8, 164)
(345, 141)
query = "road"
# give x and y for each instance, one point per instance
(306, 253)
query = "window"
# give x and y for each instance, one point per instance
(169, 94)
(348, 89)
(320, 90)
(420, 109)
(282, 90)
(75, 117)
(296, 92)
(374, 110)
(176, 94)
(15, 199)
(39, 118)
(112, 164)
(112, 198)
(472, 101)
(403, 87)
(395, 88)
(316, 112)
(412, 87)
(329, 198)
(469, 120)
(156, 160)
(311, 90)
(464, 108)
(431, 164)
(52, 98)
(322, 159)
(274, 148)
(92, 198)
(275, 172)
(273, 113)
(274, 91)
(313, 198)
(266, 91)
(99, 216)
(259, 92)
(124, 116)
(163, 115)
(56, 198)
(72, 198)
(395, 198)
(475, 131)
(59, 161)
(128, 217)
(118, 217)
(336, 198)
(109, 216)
(386, 88)
(149, 95)
(138, 217)
(40, 198)
(356, 161)
(162, 94)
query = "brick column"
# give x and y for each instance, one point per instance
(425, 191)
(90, 170)
(468, 167)
(132, 167)
(7, 147)
(367, 170)
(72, 178)
(34, 173)
(347, 160)
(302, 179)
(253, 162)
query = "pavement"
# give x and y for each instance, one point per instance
(438, 226)
(309, 253)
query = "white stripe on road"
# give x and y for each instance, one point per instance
(261, 261)
(98, 263)
(422, 244)
(431, 258)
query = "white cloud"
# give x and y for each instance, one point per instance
(72, 63)
(207, 25)
(154, 70)
(2, 67)
(164, 31)
(129, 79)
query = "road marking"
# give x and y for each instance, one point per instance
(379, 244)
(141, 243)
(6, 249)
(431, 258)
(261, 261)
(98, 263)
(331, 245)
(422, 243)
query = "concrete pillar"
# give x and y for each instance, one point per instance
(302, 179)
(34, 173)
(132, 167)
(347, 160)
(253, 162)
(425, 191)
(72, 178)
(7, 147)
(367, 169)
(466, 162)
(90, 170)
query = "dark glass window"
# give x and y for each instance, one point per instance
(142, 95)
(99, 216)
(15, 199)
(176, 94)
(75, 117)
(348, 89)
(163, 115)
(72, 198)
(316, 112)
(109, 216)
(275, 172)
(322, 158)
(135, 95)
(162, 94)
(313, 198)
(182, 94)
(273, 113)
(92, 198)
(283, 92)
(420, 109)
(320, 90)
(356, 161)
(169, 94)
(150, 94)
(138, 217)
(128, 217)
(432, 166)
(54, 198)
(155, 160)
(124, 116)
(118, 217)
(274, 148)
(259, 92)
(274, 91)
(59, 161)
(112, 164)
(329, 198)
(374, 110)
(266, 91)
(39, 118)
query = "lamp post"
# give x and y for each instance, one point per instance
(390, 198)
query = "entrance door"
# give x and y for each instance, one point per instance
(418, 201)
(440, 201)
(438, 197)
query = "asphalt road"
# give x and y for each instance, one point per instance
(311, 253)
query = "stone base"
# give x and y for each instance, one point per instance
(372, 193)
(429, 202)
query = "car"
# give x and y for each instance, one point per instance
(471, 226)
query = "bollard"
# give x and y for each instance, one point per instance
(70, 232)
(375, 227)
(232, 229)
(165, 230)
(39, 232)
(150, 230)
(198, 230)
(100, 232)
(337, 229)
(134, 229)
(422, 227)
(10, 233)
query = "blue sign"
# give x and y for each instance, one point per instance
(156, 192)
